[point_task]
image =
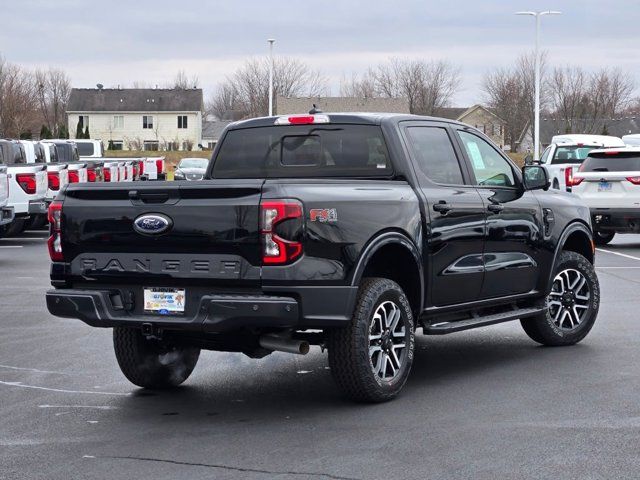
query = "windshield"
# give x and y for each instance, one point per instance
(85, 149)
(194, 163)
(303, 151)
(575, 154)
(621, 162)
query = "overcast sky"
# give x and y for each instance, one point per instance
(118, 42)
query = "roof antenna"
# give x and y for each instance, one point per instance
(314, 110)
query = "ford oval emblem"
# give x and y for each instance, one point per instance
(152, 224)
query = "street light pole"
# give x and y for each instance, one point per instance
(536, 113)
(271, 41)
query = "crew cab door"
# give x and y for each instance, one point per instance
(514, 227)
(453, 211)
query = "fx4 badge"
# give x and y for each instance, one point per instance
(323, 215)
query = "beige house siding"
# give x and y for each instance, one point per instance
(294, 105)
(104, 126)
(485, 121)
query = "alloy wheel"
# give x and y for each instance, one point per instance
(387, 341)
(569, 299)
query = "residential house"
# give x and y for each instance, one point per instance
(480, 117)
(211, 131)
(138, 118)
(292, 105)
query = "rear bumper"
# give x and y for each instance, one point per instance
(622, 220)
(296, 308)
(7, 215)
(37, 207)
(216, 313)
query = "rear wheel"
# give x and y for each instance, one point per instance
(371, 358)
(152, 363)
(602, 238)
(572, 304)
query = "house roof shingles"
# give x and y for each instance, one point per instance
(213, 129)
(135, 100)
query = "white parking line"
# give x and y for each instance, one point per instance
(10, 246)
(620, 268)
(618, 253)
(60, 390)
(22, 239)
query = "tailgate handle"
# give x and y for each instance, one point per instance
(136, 196)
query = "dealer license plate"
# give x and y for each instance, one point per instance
(604, 187)
(164, 301)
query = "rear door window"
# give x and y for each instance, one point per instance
(434, 154)
(299, 151)
(570, 154)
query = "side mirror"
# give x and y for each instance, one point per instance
(535, 177)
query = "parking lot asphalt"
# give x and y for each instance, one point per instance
(481, 404)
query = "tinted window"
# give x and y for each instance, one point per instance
(53, 154)
(303, 151)
(19, 155)
(623, 162)
(435, 155)
(489, 167)
(85, 149)
(571, 154)
(39, 153)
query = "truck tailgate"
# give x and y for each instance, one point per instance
(207, 233)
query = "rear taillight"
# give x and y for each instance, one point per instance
(568, 177)
(55, 228)
(91, 175)
(576, 181)
(73, 176)
(54, 180)
(634, 180)
(275, 249)
(135, 170)
(107, 174)
(142, 168)
(302, 119)
(160, 166)
(27, 181)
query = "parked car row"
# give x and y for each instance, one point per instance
(604, 171)
(32, 173)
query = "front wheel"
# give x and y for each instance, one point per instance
(572, 304)
(603, 238)
(152, 363)
(371, 358)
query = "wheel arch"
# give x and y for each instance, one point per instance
(576, 237)
(406, 269)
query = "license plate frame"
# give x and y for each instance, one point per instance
(604, 186)
(164, 300)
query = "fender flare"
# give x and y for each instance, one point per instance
(573, 227)
(387, 238)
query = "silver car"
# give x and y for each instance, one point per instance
(191, 169)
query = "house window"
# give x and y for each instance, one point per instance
(84, 121)
(211, 145)
(171, 146)
(151, 145)
(115, 145)
(182, 121)
(118, 121)
(147, 121)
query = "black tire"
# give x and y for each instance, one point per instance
(350, 359)
(603, 238)
(152, 363)
(545, 328)
(14, 228)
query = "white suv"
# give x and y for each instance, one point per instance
(566, 152)
(609, 183)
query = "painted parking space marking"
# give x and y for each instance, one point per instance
(60, 390)
(11, 246)
(618, 253)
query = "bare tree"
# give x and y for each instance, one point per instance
(247, 89)
(427, 86)
(359, 86)
(183, 82)
(19, 113)
(53, 88)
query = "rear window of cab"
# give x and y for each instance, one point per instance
(299, 151)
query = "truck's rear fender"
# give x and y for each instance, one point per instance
(392, 254)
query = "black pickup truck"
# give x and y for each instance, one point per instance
(348, 231)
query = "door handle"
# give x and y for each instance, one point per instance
(495, 207)
(441, 207)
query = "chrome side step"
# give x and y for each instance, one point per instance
(442, 328)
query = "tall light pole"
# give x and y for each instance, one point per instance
(271, 42)
(536, 115)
